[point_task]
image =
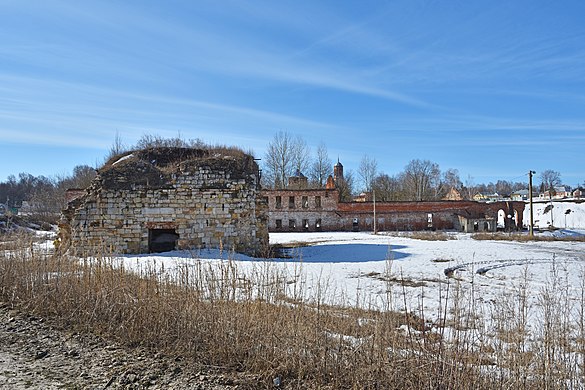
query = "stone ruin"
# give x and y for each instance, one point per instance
(161, 199)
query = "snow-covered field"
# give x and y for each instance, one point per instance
(387, 271)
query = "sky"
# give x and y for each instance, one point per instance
(491, 88)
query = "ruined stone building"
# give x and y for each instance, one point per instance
(299, 209)
(161, 199)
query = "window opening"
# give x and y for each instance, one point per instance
(317, 202)
(162, 240)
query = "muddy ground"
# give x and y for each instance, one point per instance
(35, 353)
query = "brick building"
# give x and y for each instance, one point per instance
(294, 209)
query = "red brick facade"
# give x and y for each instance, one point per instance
(320, 210)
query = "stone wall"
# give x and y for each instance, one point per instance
(192, 202)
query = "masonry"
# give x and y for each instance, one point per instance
(302, 210)
(161, 199)
(320, 210)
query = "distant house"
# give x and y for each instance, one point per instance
(557, 193)
(522, 195)
(482, 197)
(364, 197)
(578, 193)
(453, 194)
(479, 197)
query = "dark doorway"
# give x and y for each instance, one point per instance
(162, 240)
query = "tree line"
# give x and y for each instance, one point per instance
(420, 180)
(43, 197)
(286, 155)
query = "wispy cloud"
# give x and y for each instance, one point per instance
(87, 110)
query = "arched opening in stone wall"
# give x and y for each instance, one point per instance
(501, 222)
(162, 240)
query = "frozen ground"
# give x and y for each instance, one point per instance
(395, 272)
(386, 271)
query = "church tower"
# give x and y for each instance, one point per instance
(337, 171)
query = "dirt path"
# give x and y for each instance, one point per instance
(37, 355)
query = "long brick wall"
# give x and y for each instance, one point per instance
(346, 216)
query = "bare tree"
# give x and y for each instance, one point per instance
(345, 186)
(420, 177)
(449, 179)
(368, 170)
(388, 188)
(301, 155)
(549, 179)
(321, 167)
(469, 187)
(279, 162)
(81, 177)
(284, 155)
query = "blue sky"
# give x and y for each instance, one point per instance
(491, 88)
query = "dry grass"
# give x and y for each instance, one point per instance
(427, 235)
(261, 322)
(523, 237)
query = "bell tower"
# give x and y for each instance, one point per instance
(337, 171)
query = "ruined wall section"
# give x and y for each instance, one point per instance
(402, 216)
(207, 202)
(305, 210)
(415, 215)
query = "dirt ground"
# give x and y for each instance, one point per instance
(35, 354)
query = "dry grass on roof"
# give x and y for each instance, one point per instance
(164, 156)
(154, 166)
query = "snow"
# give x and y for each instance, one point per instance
(361, 269)
(395, 272)
(123, 158)
(558, 214)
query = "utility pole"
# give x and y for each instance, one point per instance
(374, 192)
(531, 229)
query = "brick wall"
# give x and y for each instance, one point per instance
(347, 216)
(308, 210)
